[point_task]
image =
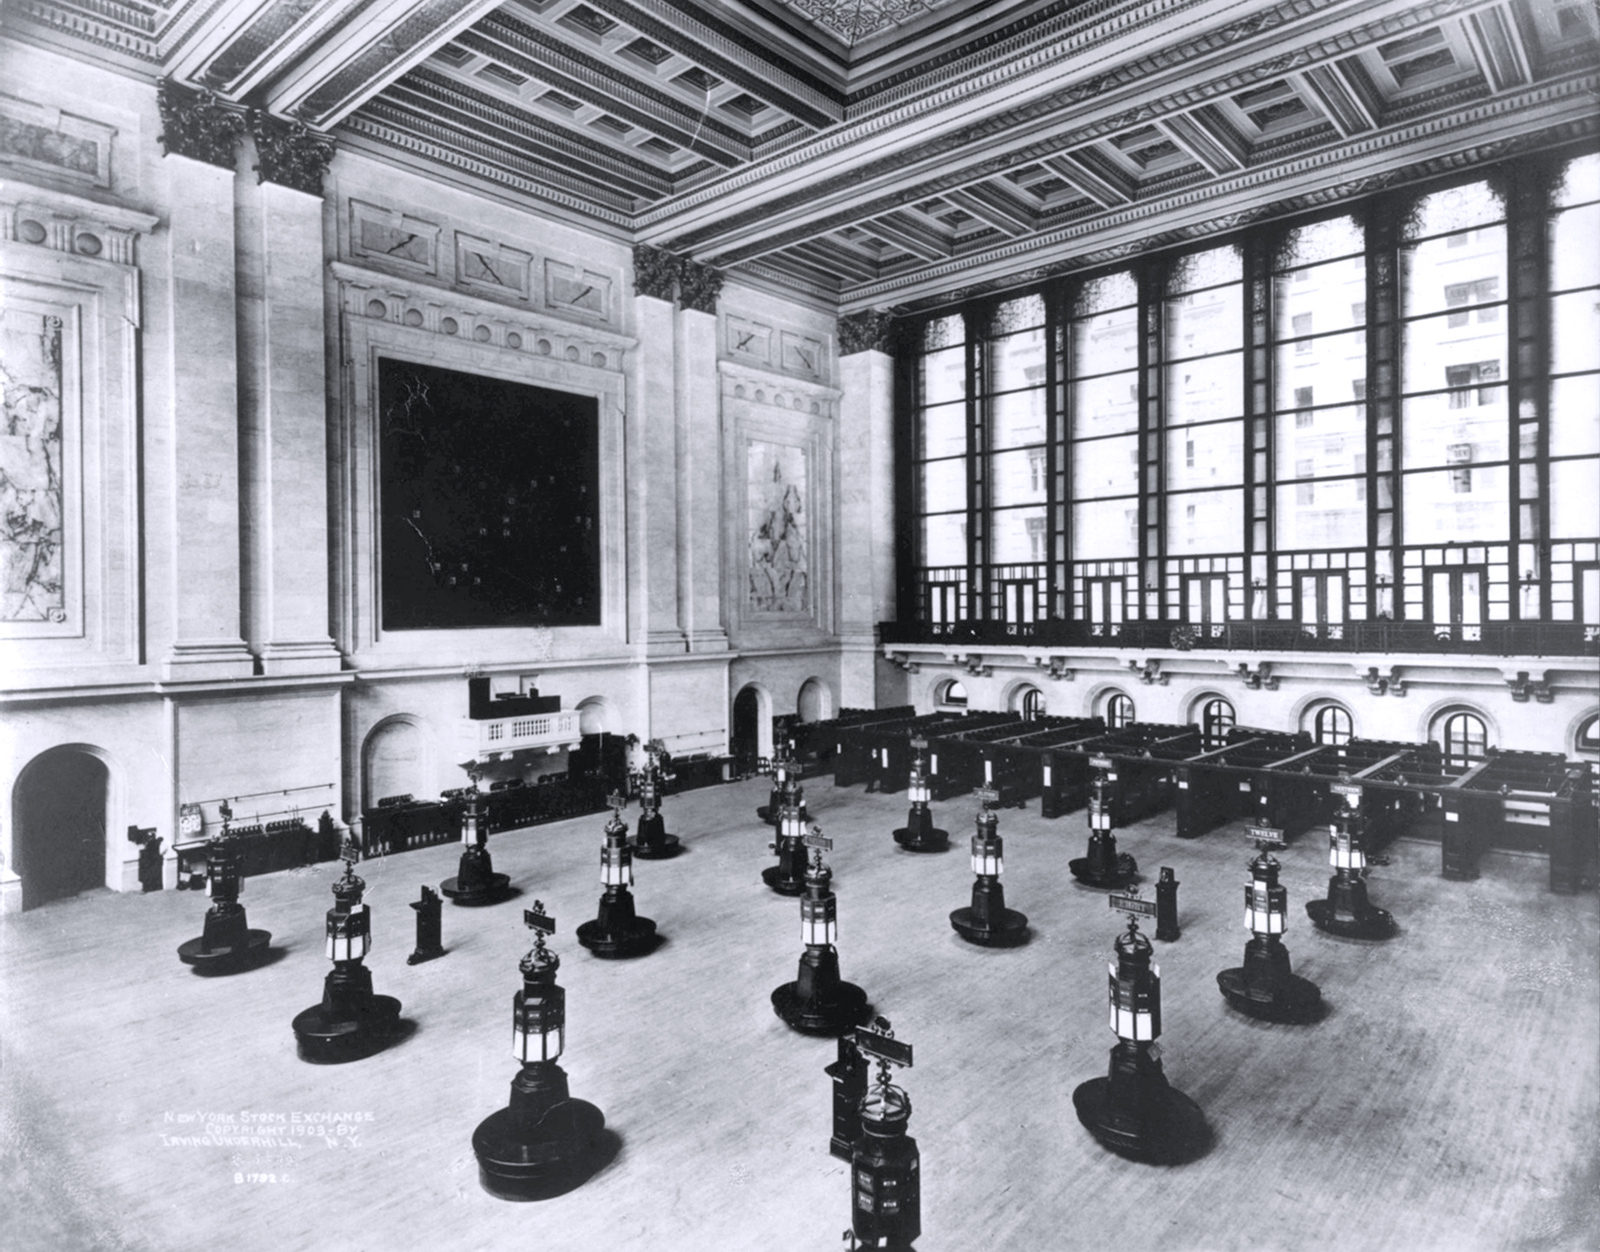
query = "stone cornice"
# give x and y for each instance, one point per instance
(383, 297)
(784, 391)
(64, 222)
(437, 148)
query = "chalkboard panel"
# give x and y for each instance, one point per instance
(490, 511)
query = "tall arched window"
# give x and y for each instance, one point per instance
(1332, 725)
(953, 694)
(1119, 711)
(1031, 704)
(1464, 738)
(1216, 720)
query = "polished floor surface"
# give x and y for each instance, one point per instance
(1448, 1101)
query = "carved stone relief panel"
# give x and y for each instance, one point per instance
(779, 528)
(33, 460)
(47, 140)
(68, 445)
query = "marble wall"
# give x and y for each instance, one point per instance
(191, 594)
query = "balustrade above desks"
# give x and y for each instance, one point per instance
(1553, 639)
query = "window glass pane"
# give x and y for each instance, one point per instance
(1574, 499)
(1322, 514)
(944, 540)
(944, 376)
(1017, 477)
(1017, 419)
(1453, 209)
(1575, 248)
(1206, 269)
(1199, 391)
(1333, 296)
(1575, 331)
(1436, 353)
(1207, 321)
(1461, 269)
(1205, 521)
(1322, 443)
(1581, 181)
(1106, 406)
(944, 486)
(1460, 427)
(1105, 530)
(1111, 291)
(1461, 504)
(944, 332)
(943, 431)
(1017, 535)
(1322, 241)
(1105, 467)
(1016, 361)
(1017, 314)
(1105, 343)
(1205, 456)
(1575, 415)
(1330, 367)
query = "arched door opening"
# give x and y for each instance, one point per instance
(392, 761)
(746, 730)
(59, 825)
(812, 703)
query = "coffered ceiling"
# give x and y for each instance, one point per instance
(886, 153)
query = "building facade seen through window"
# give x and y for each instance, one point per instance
(1317, 426)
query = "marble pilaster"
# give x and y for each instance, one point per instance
(866, 518)
(290, 413)
(652, 438)
(699, 483)
(203, 530)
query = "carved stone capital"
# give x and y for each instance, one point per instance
(867, 331)
(698, 286)
(290, 153)
(197, 125)
(655, 272)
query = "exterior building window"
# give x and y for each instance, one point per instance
(953, 695)
(1119, 711)
(1165, 452)
(1031, 705)
(1464, 739)
(1216, 720)
(1331, 725)
(1587, 743)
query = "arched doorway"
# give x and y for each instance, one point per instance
(746, 730)
(812, 703)
(59, 825)
(392, 761)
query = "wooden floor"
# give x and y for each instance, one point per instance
(1448, 1102)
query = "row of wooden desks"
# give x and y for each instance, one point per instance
(1281, 781)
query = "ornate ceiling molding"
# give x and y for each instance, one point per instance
(1054, 256)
